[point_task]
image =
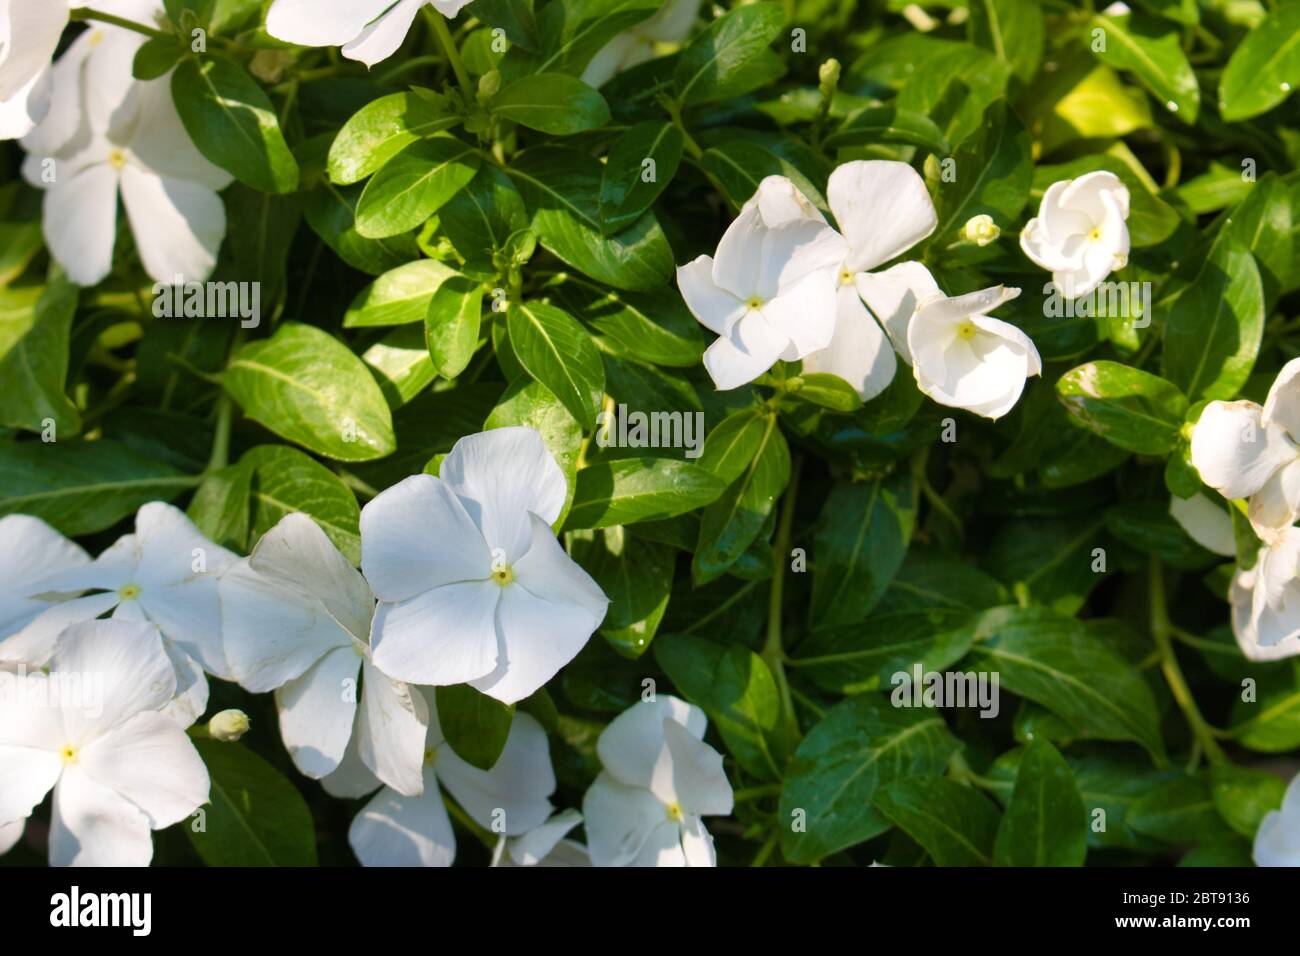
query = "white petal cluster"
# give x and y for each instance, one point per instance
(368, 31)
(786, 286)
(1245, 451)
(1080, 234)
(107, 134)
(29, 35)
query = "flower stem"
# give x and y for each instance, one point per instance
(773, 653)
(439, 25)
(1161, 631)
(86, 13)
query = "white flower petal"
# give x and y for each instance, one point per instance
(124, 670)
(151, 762)
(321, 22)
(352, 779)
(36, 643)
(80, 220)
(317, 712)
(444, 636)
(697, 843)
(630, 746)
(1282, 407)
(395, 830)
(751, 349)
(692, 774)
(1205, 523)
(780, 202)
(178, 225)
(533, 847)
(92, 826)
(10, 834)
(882, 208)
(859, 351)
(620, 821)
(381, 38)
(391, 727)
(1234, 452)
(546, 571)
(894, 295)
(1277, 504)
(34, 30)
(30, 550)
(714, 307)
(27, 774)
(515, 792)
(805, 314)
(1277, 841)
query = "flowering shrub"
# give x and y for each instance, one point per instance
(614, 432)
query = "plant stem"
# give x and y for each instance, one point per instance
(86, 13)
(439, 24)
(765, 851)
(773, 653)
(1161, 629)
(757, 793)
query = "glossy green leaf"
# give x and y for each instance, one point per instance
(552, 103)
(474, 724)
(413, 185)
(284, 481)
(640, 489)
(955, 824)
(639, 167)
(399, 296)
(383, 128)
(1265, 68)
(1126, 406)
(1044, 824)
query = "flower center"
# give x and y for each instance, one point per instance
(967, 330)
(68, 753)
(674, 811)
(116, 158)
(430, 755)
(502, 574)
(129, 592)
(754, 303)
(846, 277)
(1095, 233)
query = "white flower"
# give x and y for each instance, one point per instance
(659, 779)
(10, 834)
(544, 845)
(1266, 600)
(1205, 523)
(769, 293)
(473, 585)
(960, 357)
(30, 551)
(511, 798)
(106, 134)
(1080, 234)
(883, 209)
(1244, 451)
(1277, 841)
(637, 45)
(367, 30)
(296, 620)
(91, 730)
(29, 34)
(165, 573)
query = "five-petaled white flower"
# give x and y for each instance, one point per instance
(1277, 841)
(512, 798)
(296, 620)
(1265, 600)
(29, 34)
(659, 779)
(165, 573)
(1244, 451)
(882, 209)
(544, 845)
(368, 30)
(769, 293)
(92, 731)
(473, 585)
(637, 45)
(1080, 234)
(107, 133)
(30, 552)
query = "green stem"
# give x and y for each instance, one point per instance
(1161, 631)
(757, 793)
(86, 13)
(765, 851)
(221, 439)
(439, 24)
(773, 653)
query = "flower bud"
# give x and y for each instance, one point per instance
(228, 726)
(981, 230)
(489, 84)
(828, 77)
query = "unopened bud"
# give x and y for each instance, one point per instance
(228, 726)
(489, 84)
(828, 77)
(982, 230)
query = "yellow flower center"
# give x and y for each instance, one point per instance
(503, 574)
(1095, 233)
(430, 755)
(96, 38)
(967, 330)
(675, 812)
(129, 592)
(116, 158)
(846, 277)
(68, 753)
(754, 302)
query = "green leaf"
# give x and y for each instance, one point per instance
(1264, 224)
(640, 489)
(562, 188)
(401, 364)
(413, 185)
(256, 816)
(729, 526)
(740, 166)
(1214, 327)
(474, 724)
(486, 219)
(889, 124)
(398, 296)
(451, 325)
(1052, 660)
(552, 103)
(1264, 68)
(571, 32)
(383, 128)
(1045, 823)
(862, 744)
(733, 686)
(331, 213)
(285, 480)
(640, 165)
(651, 327)
(1153, 52)
(731, 446)
(260, 228)
(220, 505)
(1012, 30)
(1243, 796)
(994, 173)
(555, 350)
(233, 123)
(309, 388)
(955, 824)
(862, 536)
(1126, 406)
(534, 405)
(731, 57)
(83, 487)
(636, 576)
(1178, 811)
(155, 57)
(35, 325)
(1149, 527)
